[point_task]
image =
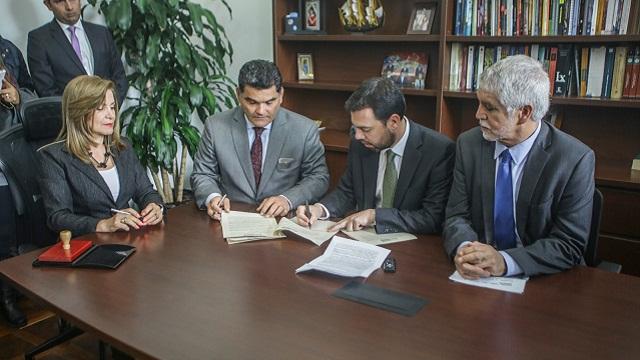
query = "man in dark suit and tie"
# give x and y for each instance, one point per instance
(398, 172)
(522, 191)
(259, 153)
(67, 47)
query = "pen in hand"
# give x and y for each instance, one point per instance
(221, 202)
(307, 213)
(116, 211)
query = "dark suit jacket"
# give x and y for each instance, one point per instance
(53, 63)
(553, 209)
(421, 191)
(76, 197)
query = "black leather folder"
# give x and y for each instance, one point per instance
(105, 256)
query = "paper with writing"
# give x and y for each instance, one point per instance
(508, 284)
(345, 257)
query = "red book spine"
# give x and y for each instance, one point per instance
(553, 59)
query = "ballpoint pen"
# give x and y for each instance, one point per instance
(124, 213)
(221, 202)
(307, 213)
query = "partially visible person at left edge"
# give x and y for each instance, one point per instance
(16, 77)
(12, 60)
(90, 170)
(522, 191)
(67, 47)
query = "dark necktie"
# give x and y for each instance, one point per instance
(504, 233)
(389, 180)
(256, 155)
(74, 42)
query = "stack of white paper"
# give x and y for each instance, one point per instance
(238, 227)
(350, 258)
(508, 284)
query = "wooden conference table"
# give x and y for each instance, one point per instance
(186, 294)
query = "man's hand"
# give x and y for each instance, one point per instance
(301, 214)
(215, 208)
(356, 221)
(274, 206)
(476, 260)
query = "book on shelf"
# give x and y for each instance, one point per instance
(586, 71)
(564, 70)
(406, 69)
(618, 72)
(553, 63)
(628, 73)
(596, 71)
(634, 91)
(546, 17)
(608, 71)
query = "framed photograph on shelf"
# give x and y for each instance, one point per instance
(305, 67)
(406, 69)
(422, 18)
(312, 15)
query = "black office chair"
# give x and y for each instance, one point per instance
(591, 253)
(42, 120)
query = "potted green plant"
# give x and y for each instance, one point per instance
(176, 53)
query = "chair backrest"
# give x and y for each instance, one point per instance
(591, 253)
(42, 120)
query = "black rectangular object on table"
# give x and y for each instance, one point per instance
(381, 298)
(105, 256)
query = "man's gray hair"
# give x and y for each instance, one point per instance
(517, 81)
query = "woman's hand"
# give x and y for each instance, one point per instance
(121, 222)
(152, 214)
(9, 94)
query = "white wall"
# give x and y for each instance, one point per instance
(250, 28)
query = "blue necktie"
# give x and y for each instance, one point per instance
(504, 233)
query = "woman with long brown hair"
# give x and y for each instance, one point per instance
(90, 174)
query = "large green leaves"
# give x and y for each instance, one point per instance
(176, 51)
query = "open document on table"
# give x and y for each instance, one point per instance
(345, 257)
(370, 236)
(239, 227)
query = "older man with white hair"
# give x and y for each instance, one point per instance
(522, 192)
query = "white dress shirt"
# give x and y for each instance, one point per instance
(113, 182)
(85, 46)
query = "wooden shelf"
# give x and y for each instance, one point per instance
(617, 176)
(335, 140)
(358, 37)
(544, 39)
(348, 86)
(562, 100)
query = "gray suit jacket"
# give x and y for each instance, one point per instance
(294, 165)
(421, 191)
(76, 197)
(53, 63)
(553, 209)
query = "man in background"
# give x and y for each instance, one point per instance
(259, 153)
(67, 47)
